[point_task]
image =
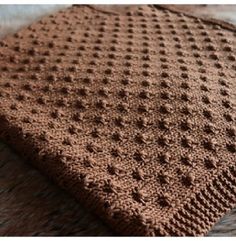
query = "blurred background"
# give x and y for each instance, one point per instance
(223, 12)
(13, 17)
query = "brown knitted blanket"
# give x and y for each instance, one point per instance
(132, 111)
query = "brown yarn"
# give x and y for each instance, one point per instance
(133, 113)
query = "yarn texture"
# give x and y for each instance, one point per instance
(132, 111)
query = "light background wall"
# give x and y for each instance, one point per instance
(13, 17)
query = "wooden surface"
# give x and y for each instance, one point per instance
(30, 204)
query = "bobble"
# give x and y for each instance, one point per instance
(95, 133)
(163, 177)
(164, 75)
(163, 141)
(231, 132)
(164, 124)
(185, 97)
(123, 107)
(165, 95)
(186, 125)
(123, 93)
(51, 78)
(88, 181)
(138, 174)
(146, 83)
(114, 169)
(206, 99)
(67, 141)
(166, 109)
(103, 92)
(27, 87)
(43, 136)
(143, 108)
(111, 186)
(83, 91)
(188, 142)
(208, 114)
(21, 97)
(14, 106)
(210, 144)
(26, 119)
(228, 117)
(144, 95)
(102, 104)
(209, 128)
(141, 138)
(41, 101)
(117, 136)
(187, 160)
(116, 152)
(100, 119)
(119, 121)
(142, 122)
(125, 81)
(81, 104)
(56, 114)
(165, 158)
(139, 195)
(90, 147)
(32, 51)
(78, 117)
(231, 147)
(187, 110)
(164, 200)
(68, 78)
(165, 84)
(188, 179)
(61, 102)
(140, 156)
(210, 163)
(72, 129)
(226, 104)
(89, 162)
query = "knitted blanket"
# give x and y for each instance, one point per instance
(31, 205)
(132, 111)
